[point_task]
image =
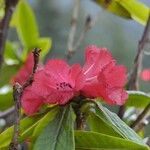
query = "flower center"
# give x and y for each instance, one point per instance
(63, 86)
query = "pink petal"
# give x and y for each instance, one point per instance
(96, 59)
(116, 96)
(113, 76)
(58, 69)
(25, 71)
(59, 97)
(77, 78)
(31, 102)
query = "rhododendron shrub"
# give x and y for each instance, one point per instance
(58, 83)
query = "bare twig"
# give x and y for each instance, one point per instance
(88, 25)
(4, 24)
(133, 83)
(17, 93)
(29, 81)
(72, 45)
(73, 27)
(141, 116)
(143, 123)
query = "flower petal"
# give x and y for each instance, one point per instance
(96, 59)
(31, 102)
(25, 71)
(113, 76)
(77, 77)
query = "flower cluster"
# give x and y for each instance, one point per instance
(58, 83)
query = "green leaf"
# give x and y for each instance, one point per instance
(44, 121)
(45, 45)
(6, 73)
(138, 99)
(112, 121)
(113, 7)
(97, 123)
(26, 123)
(25, 23)
(27, 126)
(6, 101)
(87, 140)
(59, 133)
(138, 11)
(10, 51)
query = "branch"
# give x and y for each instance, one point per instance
(17, 93)
(73, 27)
(133, 83)
(141, 116)
(88, 25)
(4, 25)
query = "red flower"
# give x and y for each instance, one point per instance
(103, 78)
(57, 82)
(25, 71)
(30, 101)
(145, 75)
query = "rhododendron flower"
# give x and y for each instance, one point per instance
(58, 82)
(104, 78)
(145, 75)
(25, 71)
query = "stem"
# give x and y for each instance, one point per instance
(4, 25)
(133, 83)
(17, 93)
(141, 116)
(73, 28)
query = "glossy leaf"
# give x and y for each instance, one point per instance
(58, 134)
(127, 9)
(42, 123)
(138, 11)
(112, 121)
(98, 124)
(87, 140)
(25, 23)
(27, 126)
(138, 99)
(113, 7)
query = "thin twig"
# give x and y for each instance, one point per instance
(29, 81)
(88, 25)
(73, 27)
(133, 83)
(141, 116)
(4, 25)
(17, 93)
